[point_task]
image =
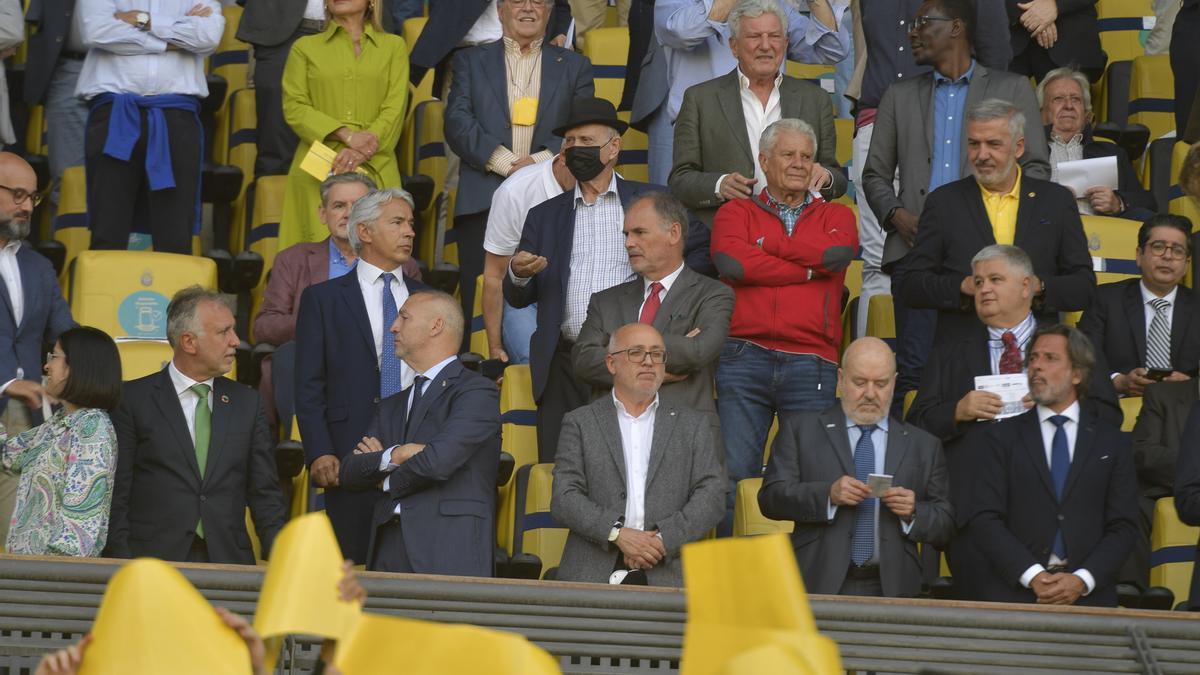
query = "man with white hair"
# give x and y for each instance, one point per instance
(785, 255)
(345, 355)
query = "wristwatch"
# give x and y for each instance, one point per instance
(616, 529)
(142, 19)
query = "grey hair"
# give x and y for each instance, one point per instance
(766, 142)
(752, 9)
(999, 109)
(344, 178)
(368, 209)
(181, 312)
(667, 207)
(1015, 257)
(1063, 74)
(1079, 350)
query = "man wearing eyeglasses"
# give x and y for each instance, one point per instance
(635, 478)
(36, 312)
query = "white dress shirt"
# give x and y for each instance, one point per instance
(1048, 429)
(385, 463)
(123, 59)
(315, 10)
(637, 435)
(666, 282)
(370, 281)
(188, 398)
(10, 270)
(486, 28)
(524, 189)
(879, 441)
(758, 117)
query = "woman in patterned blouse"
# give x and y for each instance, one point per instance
(68, 463)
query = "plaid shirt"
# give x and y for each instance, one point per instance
(788, 214)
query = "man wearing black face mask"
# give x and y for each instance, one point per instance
(572, 246)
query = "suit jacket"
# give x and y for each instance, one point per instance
(1016, 512)
(902, 139)
(446, 493)
(159, 493)
(1116, 324)
(694, 302)
(796, 487)
(478, 119)
(44, 317)
(954, 227)
(1158, 434)
(337, 390)
(685, 488)
(711, 140)
(1187, 490)
(1078, 34)
(52, 20)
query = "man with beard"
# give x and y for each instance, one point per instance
(36, 314)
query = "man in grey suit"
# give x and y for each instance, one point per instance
(716, 146)
(690, 310)
(635, 478)
(920, 132)
(848, 540)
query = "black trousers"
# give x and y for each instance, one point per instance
(198, 553)
(391, 555)
(275, 139)
(114, 187)
(564, 393)
(468, 232)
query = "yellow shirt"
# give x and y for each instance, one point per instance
(1002, 211)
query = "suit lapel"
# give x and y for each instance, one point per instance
(222, 420)
(973, 199)
(664, 426)
(731, 106)
(496, 66)
(897, 446)
(8, 305)
(552, 69)
(1035, 448)
(631, 301)
(1026, 210)
(432, 393)
(353, 298)
(680, 288)
(1084, 449)
(834, 421)
(564, 228)
(606, 417)
(1137, 319)
(925, 98)
(171, 411)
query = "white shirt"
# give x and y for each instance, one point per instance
(758, 118)
(315, 9)
(666, 282)
(524, 189)
(385, 463)
(188, 398)
(370, 281)
(487, 27)
(123, 59)
(637, 434)
(1048, 429)
(11, 272)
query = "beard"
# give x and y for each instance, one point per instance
(13, 229)
(994, 180)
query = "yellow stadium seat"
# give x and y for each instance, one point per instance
(263, 234)
(881, 318)
(518, 416)
(411, 31)
(35, 131)
(242, 150)
(1172, 550)
(1122, 25)
(854, 276)
(140, 358)
(479, 340)
(428, 150)
(770, 439)
(608, 48)
(537, 532)
(255, 544)
(634, 153)
(1152, 94)
(231, 61)
(445, 236)
(125, 293)
(1131, 406)
(1113, 245)
(748, 519)
(1181, 204)
(845, 140)
(909, 397)
(71, 225)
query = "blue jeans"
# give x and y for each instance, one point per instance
(754, 383)
(516, 328)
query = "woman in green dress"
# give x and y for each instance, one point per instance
(346, 87)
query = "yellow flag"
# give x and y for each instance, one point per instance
(152, 621)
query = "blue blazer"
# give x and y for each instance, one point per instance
(337, 390)
(446, 493)
(45, 316)
(477, 115)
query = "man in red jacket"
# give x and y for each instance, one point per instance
(785, 253)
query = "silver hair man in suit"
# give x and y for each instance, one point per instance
(635, 478)
(690, 310)
(847, 540)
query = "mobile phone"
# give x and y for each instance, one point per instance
(1157, 374)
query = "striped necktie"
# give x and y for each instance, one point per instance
(1158, 337)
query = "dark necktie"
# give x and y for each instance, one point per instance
(1060, 465)
(389, 365)
(653, 302)
(862, 546)
(1010, 358)
(418, 389)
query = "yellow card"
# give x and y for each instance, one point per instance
(524, 111)
(318, 162)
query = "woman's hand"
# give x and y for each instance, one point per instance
(365, 142)
(347, 160)
(64, 661)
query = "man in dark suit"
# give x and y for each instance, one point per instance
(690, 310)
(998, 204)
(950, 406)
(848, 540)
(1187, 492)
(636, 477)
(1151, 323)
(35, 315)
(716, 146)
(506, 99)
(1055, 503)
(194, 450)
(434, 448)
(1051, 33)
(345, 361)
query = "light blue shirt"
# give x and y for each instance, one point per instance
(949, 104)
(697, 50)
(879, 441)
(337, 262)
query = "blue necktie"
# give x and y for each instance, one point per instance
(389, 365)
(862, 546)
(1060, 464)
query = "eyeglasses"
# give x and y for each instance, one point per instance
(638, 355)
(1160, 247)
(21, 194)
(923, 20)
(50, 356)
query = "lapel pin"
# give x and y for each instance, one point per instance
(224, 398)
(1032, 195)
(672, 413)
(830, 426)
(443, 384)
(558, 60)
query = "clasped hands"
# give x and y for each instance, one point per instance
(642, 549)
(1038, 19)
(361, 146)
(849, 491)
(1062, 588)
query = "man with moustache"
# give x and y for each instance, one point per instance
(36, 316)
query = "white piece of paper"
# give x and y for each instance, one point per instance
(1081, 174)
(1010, 388)
(879, 483)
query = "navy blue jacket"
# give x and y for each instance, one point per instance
(45, 316)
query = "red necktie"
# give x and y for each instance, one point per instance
(653, 302)
(1010, 358)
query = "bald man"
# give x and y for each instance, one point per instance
(431, 453)
(36, 313)
(851, 539)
